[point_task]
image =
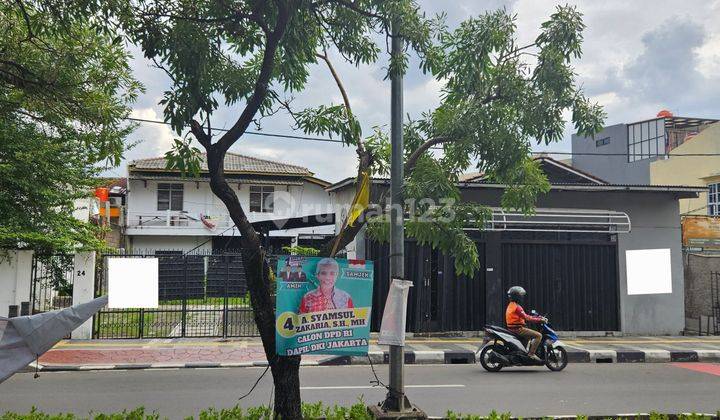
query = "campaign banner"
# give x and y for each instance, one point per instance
(323, 306)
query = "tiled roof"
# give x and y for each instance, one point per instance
(556, 186)
(267, 180)
(234, 163)
(471, 176)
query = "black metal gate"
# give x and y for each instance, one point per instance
(51, 286)
(575, 284)
(439, 300)
(200, 295)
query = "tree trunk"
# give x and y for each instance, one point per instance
(286, 377)
(285, 369)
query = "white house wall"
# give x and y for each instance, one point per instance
(290, 201)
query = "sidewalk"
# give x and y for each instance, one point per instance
(207, 353)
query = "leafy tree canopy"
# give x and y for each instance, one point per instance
(65, 89)
(498, 99)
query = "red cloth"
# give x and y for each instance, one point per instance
(515, 316)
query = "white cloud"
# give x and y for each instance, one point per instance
(616, 43)
(153, 139)
(264, 152)
(423, 97)
(607, 99)
(709, 57)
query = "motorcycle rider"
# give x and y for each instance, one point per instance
(515, 318)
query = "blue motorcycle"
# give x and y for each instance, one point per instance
(503, 348)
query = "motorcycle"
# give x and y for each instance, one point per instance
(503, 348)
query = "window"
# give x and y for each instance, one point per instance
(714, 200)
(646, 140)
(261, 199)
(170, 197)
(602, 142)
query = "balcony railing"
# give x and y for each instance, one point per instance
(177, 219)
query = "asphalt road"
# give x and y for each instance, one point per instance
(580, 389)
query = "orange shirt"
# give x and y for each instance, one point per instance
(513, 317)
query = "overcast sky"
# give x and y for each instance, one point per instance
(639, 57)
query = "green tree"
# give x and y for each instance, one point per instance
(498, 98)
(250, 54)
(65, 88)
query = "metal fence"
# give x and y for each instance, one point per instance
(203, 294)
(52, 282)
(715, 300)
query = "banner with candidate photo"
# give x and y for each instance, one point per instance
(323, 305)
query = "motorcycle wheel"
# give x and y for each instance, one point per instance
(485, 361)
(556, 359)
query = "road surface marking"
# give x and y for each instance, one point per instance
(711, 368)
(325, 388)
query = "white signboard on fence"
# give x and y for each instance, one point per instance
(132, 282)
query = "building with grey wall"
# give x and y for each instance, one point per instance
(571, 256)
(622, 153)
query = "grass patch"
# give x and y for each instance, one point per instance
(211, 301)
(126, 324)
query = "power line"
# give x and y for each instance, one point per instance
(330, 140)
(623, 154)
(254, 133)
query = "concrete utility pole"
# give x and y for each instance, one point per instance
(397, 230)
(396, 404)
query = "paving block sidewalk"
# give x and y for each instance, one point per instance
(195, 353)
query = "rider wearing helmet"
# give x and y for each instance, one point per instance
(515, 318)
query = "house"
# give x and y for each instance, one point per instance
(702, 169)
(668, 150)
(168, 212)
(624, 153)
(572, 256)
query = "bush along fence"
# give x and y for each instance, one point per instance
(358, 411)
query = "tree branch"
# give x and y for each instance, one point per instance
(26, 17)
(491, 98)
(331, 35)
(515, 52)
(21, 79)
(165, 70)
(346, 100)
(350, 5)
(204, 138)
(262, 83)
(344, 237)
(253, 17)
(412, 160)
(339, 83)
(348, 233)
